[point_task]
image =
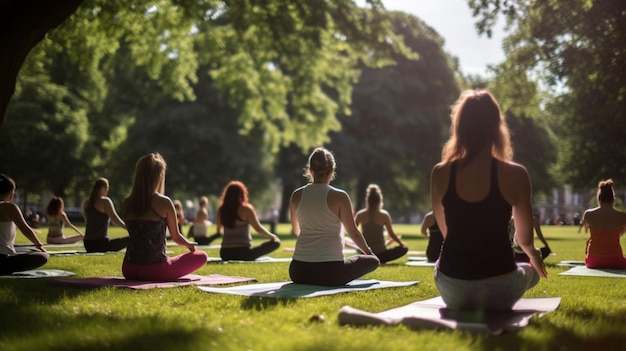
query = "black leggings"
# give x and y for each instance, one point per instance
(205, 240)
(106, 244)
(248, 253)
(333, 273)
(22, 262)
(433, 250)
(392, 254)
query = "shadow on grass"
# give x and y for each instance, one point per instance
(30, 320)
(555, 337)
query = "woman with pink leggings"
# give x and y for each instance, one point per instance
(147, 213)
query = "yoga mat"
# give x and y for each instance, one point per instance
(120, 282)
(570, 263)
(589, 272)
(292, 290)
(419, 262)
(262, 259)
(416, 253)
(39, 273)
(433, 314)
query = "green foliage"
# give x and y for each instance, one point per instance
(590, 316)
(400, 118)
(576, 49)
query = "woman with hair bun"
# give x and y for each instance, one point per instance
(374, 220)
(606, 225)
(319, 214)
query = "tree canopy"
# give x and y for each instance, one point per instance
(575, 49)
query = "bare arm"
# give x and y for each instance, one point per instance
(438, 186)
(110, 211)
(518, 183)
(293, 211)
(69, 224)
(345, 215)
(165, 207)
(249, 215)
(390, 231)
(429, 220)
(15, 214)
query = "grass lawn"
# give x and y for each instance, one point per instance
(37, 316)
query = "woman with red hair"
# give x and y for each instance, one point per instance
(235, 215)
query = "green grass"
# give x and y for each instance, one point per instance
(37, 316)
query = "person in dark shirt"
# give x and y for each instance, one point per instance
(474, 191)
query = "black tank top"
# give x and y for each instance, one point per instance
(477, 245)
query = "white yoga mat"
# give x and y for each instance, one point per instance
(39, 273)
(589, 272)
(570, 263)
(433, 314)
(419, 262)
(292, 290)
(262, 259)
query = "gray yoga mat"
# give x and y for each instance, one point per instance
(589, 272)
(433, 314)
(419, 262)
(292, 290)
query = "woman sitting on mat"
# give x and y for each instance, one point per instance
(606, 225)
(99, 211)
(57, 219)
(374, 220)
(147, 213)
(431, 230)
(319, 213)
(11, 218)
(200, 227)
(235, 215)
(474, 191)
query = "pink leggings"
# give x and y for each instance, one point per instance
(170, 270)
(605, 262)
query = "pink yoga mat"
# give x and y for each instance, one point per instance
(120, 282)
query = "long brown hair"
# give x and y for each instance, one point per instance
(95, 190)
(476, 123)
(149, 178)
(234, 195)
(55, 206)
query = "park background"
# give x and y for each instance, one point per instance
(243, 90)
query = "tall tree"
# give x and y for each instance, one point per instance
(400, 117)
(577, 49)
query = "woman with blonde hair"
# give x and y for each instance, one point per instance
(474, 191)
(319, 214)
(374, 220)
(99, 211)
(147, 213)
(57, 219)
(235, 215)
(606, 225)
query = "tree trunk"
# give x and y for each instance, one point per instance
(23, 24)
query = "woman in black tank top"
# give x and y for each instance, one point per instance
(474, 191)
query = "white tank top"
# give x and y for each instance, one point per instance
(7, 238)
(321, 233)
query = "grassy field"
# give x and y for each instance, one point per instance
(37, 316)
